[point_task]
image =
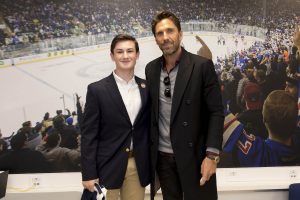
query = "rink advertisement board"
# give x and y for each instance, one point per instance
(50, 55)
(29, 59)
(2, 64)
(5, 63)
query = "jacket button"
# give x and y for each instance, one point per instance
(184, 123)
(190, 144)
(127, 149)
(188, 102)
(132, 128)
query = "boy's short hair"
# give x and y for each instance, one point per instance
(123, 37)
(280, 113)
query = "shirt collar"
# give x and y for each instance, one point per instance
(122, 81)
(163, 62)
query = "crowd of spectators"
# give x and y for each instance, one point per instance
(249, 77)
(270, 64)
(51, 145)
(35, 20)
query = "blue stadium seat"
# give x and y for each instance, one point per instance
(294, 191)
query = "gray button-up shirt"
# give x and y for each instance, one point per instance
(165, 105)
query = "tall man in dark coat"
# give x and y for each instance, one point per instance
(115, 128)
(187, 116)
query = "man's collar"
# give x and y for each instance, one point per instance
(163, 62)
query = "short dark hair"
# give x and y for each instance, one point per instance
(58, 122)
(165, 15)
(123, 37)
(46, 116)
(52, 140)
(280, 113)
(26, 124)
(17, 142)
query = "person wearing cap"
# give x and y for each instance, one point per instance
(251, 117)
(248, 76)
(69, 121)
(115, 128)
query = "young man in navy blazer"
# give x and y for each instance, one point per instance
(115, 128)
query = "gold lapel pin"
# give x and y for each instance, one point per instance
(143, 85)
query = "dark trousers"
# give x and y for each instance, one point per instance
(169, 177)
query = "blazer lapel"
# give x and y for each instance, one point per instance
(114, 92)
(155, 86)
(143, 92)
(182, 79)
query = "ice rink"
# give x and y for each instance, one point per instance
(28, 91)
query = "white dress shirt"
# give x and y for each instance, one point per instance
(131, 97)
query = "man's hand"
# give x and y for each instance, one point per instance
(204, 51)
(208, 168)
(297, 37)
(89, 185)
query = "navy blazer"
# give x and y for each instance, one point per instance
(107, 132)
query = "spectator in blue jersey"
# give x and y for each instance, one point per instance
(247, 150)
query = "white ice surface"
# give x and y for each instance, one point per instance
(28, 91)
